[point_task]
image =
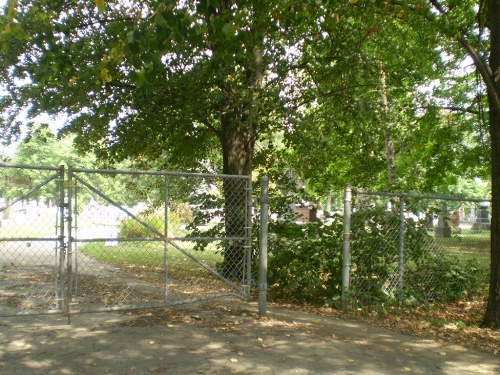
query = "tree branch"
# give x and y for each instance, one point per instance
(120, 85)
(480, 63)
(436, 4)
(212, 128)
(99, 21)
(454, 109)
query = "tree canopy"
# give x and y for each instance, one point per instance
(173, 82)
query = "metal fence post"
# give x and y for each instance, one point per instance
(62, 241)
(263, 234)
(71, 184)
(346, 251)
(165, 242)
(401, 266)
(247, 280)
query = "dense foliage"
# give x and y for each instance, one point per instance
(305, 263)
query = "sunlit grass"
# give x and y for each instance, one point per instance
(476, 244)
(29, 225)
(466, 247)
(151, 255)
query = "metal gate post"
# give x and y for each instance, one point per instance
(165, 243)
(346, 251)
(264, 212)
(69, 245)
(401, 266)
(62, 241)
(247, 280)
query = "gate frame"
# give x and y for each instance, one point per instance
(66, 266)
(243, 292)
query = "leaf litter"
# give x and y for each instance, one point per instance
(457, 322)
(454, 322)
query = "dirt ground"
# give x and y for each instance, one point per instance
(223, 338)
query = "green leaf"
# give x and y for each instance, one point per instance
(228, 30)
(101, 5)
(131, 37)
(159, 20)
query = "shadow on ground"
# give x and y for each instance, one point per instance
(223, 338)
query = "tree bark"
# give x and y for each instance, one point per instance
(237, 153)
(492, 314)
(389, 142)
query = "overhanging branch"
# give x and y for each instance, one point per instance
(454, 109)
(480, 63)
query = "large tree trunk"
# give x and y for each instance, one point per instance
(237, 152)
(492, 315)
(238, 142)
(240, 86)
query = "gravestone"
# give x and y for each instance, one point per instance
(306, 213)
(482, 219)
(443, 228)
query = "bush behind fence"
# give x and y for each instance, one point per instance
(414, 248)
(400, 248)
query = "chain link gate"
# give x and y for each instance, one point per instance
(32, 246)
(127, 239)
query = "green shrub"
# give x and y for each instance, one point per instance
(131, 228)
(447, 279)
(428, 275)
(305, 261)
(374, 253)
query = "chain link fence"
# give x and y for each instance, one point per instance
(98, 240)
(145, 239)
(409, 247)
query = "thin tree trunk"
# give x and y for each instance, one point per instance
(492, 314)
(389, 143)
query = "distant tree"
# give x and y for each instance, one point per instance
(40, 146)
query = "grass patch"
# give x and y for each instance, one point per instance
(151, 255)
(29, 225)
(475, 244)
(469, 247)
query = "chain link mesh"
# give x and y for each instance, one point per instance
(401, 246)
(101, 240)
(30, 246)
(158, 239)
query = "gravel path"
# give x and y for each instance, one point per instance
(28, 271)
